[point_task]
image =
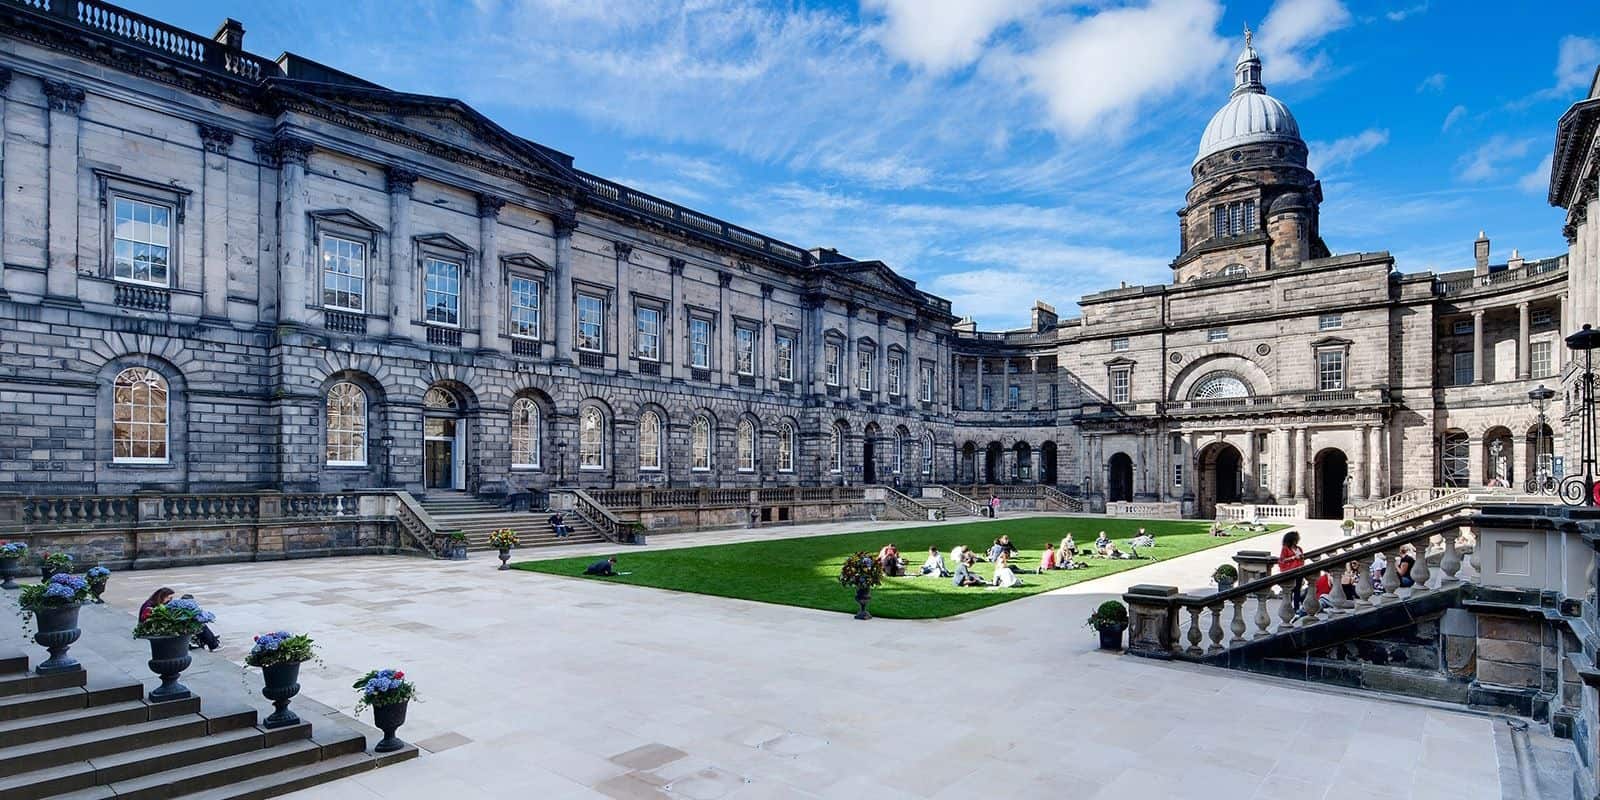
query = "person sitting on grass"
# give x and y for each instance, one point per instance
(965, 576)
(995, 550)
(1068, 547)
(889, 559)
(1102, 545)
(959, 553)
(605, 566)
(1004, 576)
(935, 564)
(1048, 559)
(1143, 539)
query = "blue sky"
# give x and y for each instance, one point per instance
(996, 151)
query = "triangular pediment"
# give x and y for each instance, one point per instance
(444, 241)
(878, 276)
(527, 260)
(344, 216)
(1232, 184)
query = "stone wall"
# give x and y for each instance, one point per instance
(159, 547)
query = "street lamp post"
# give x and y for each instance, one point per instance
(1580, 490)
(1541, 482)
(561, 462)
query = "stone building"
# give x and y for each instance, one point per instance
(223, 271)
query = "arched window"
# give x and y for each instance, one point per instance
(1454, 458)
(139, 408)
(746, 446)
(927, 454)
(524, 433)
(649, 441)
(1219, 386)
(786, 448)
(347, 425)
(591, 439)
(836, 441)
(437, 398)
(700, 443)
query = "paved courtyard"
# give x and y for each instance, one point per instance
(540, 686)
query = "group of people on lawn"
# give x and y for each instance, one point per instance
(1002, 554)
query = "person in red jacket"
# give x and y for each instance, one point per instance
(1290, 557)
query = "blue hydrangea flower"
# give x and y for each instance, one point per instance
(60, 590)
(193, 609)
(72, 583)
(13, 550)
(99, 572)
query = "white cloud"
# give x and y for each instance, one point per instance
(1433, 83)
(1096, 72)
(1453, 117)
(1575, 63)
(939, 35)
(1327, 157)
(1488, 160)
(1290, 33)
(695, 170)
(1537, 182)
(1005, 278)
(1399, 14)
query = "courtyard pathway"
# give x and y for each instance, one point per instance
(540, 686)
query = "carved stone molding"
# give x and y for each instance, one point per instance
(489, 205)
(5, 78)
(766, 290)
(64, 96)
(400, 180)
(214, 139)
(564, 221)
(676, 265)
(267, 153)
(724, 279)
(623, 249)
(291, 150)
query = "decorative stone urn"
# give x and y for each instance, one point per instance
(863, 596)
(389, 718)
(58, 629)
(505, 556)
(282, 684)
(1111, 637)
(169, 657)
(97, 588)
(8, 573)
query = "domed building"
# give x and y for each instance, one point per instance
(1253, 205)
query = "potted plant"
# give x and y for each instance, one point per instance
(388, 693)
(98, 577)
(1110, 619)
(503, 540)
(168, 629)
(1225, 576)
(11, 554)
(279, 655)
(1348, 525)
(54, 605)
(458, 545)
(861, 572)
(52, 563)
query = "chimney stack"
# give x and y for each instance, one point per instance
(1480, 254)
(1516, 260)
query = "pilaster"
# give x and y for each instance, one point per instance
(215, 143)
(61, 257)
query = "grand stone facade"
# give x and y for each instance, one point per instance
(223, 272)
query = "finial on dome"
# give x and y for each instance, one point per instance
(1247, 70)
(1247, 35)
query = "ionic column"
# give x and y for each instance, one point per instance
(562, 224)
(1375, 462)
(1477, 347)
(1358, 478)
(489, 300)
(1524, 368)
(403, 273)
(1283, 466)
(215, 143)
(61, 171)
(293, 201)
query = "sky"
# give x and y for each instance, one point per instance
(995, 151)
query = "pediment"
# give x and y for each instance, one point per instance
(878, 276)
(1232, 184)
(344, 216)
(525, 260)
(444, 241)
(1121, 361)
(1331, 341)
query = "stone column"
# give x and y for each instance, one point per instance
(815, 343)
(880, 383)
(1558, 355)
(403, 272)
(977, 382)
(1301, 456)
(1033, 380)
(670, 367)
(215, 143)
(562, 224)
(911, 380)
(1375, 463)
(847, 359)
(724, 356)
(61, 216)
(1191, 463)
(1477, 347)
(1359, 476)
(766, 342)
(5, 83)
(1524, 368)
(1283, 466)
(1476, 474)
(625, 314)
(1036, 457)
(1251, 473)
(293, 203)
(490, 301)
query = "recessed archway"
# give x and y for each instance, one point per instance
(1119, 478)
(1332, 470)
(1047, 463)
(991, 463)
(1498, 470)
(869, 455)
(1219, 477)
(444, 439)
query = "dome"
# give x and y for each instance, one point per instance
(1251, 115)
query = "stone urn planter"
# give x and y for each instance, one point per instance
(98, 578)
(1111, 637)
(389, 718)
(505, 557)
(282, 684)
(1110, 620)
(9, 572)
(97, 588)
(58, 629)
(169, 657)
(863, 597)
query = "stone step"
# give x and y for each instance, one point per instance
(51, 701)
(13, 663)
(79, 720)
(212, 774)
(293, 780)
(128, 764)
(17, 683)
(98, 743)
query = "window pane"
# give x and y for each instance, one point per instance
(783, 354)
(700, 343)
(591, 440)
(525, 307)
(141, 235)
(647, 333)
(650, 441)
(524, 433)
(347, 424)
(591, 322)
(700, 444)
(441, 295)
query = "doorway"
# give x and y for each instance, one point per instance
(1119, 478)
(443, 445)
(1219, 478)
(1332, 483)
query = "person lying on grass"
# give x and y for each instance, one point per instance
(606, 566)
(965, 576)
(1143, 539)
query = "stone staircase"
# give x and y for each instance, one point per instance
(478, 518)
(67, 735)
(951, 510)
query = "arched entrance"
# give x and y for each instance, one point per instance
(869, 461)
(1541, 457)
(1219, 478)
(969, 464)
(1024, 458)
(1332, 480)
(1119, 478)
(991, 463)
(444, 450)
(1047, 463)
(1497, 467)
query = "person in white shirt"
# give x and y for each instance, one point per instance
(935, 564)
(1004, 576)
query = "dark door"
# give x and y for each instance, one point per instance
(869, 467)
(1227, 475)
(1047, 463)
(1332, 472)
(1119, 483)
(439, 460)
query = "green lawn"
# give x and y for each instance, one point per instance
(804, 572)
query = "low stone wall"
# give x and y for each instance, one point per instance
(671, 520)
(175, 546)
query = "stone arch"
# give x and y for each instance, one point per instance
(1119, 477)
(993, 459)
(1330, 483)
(171, 470)
(1499, 448)
(1223, 362)
(1539, 465)
(1220, 478)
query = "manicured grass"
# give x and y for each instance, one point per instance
(804, 572)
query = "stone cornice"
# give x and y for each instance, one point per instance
(63, 96)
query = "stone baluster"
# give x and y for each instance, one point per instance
(1263, 619)
(1237, 626)
(1194, 631)
(1391, 576)
(1419, 571)
(1450, 562)
(1309, 605)
(1364, 582)
(1286, 605)
(1215, 630)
